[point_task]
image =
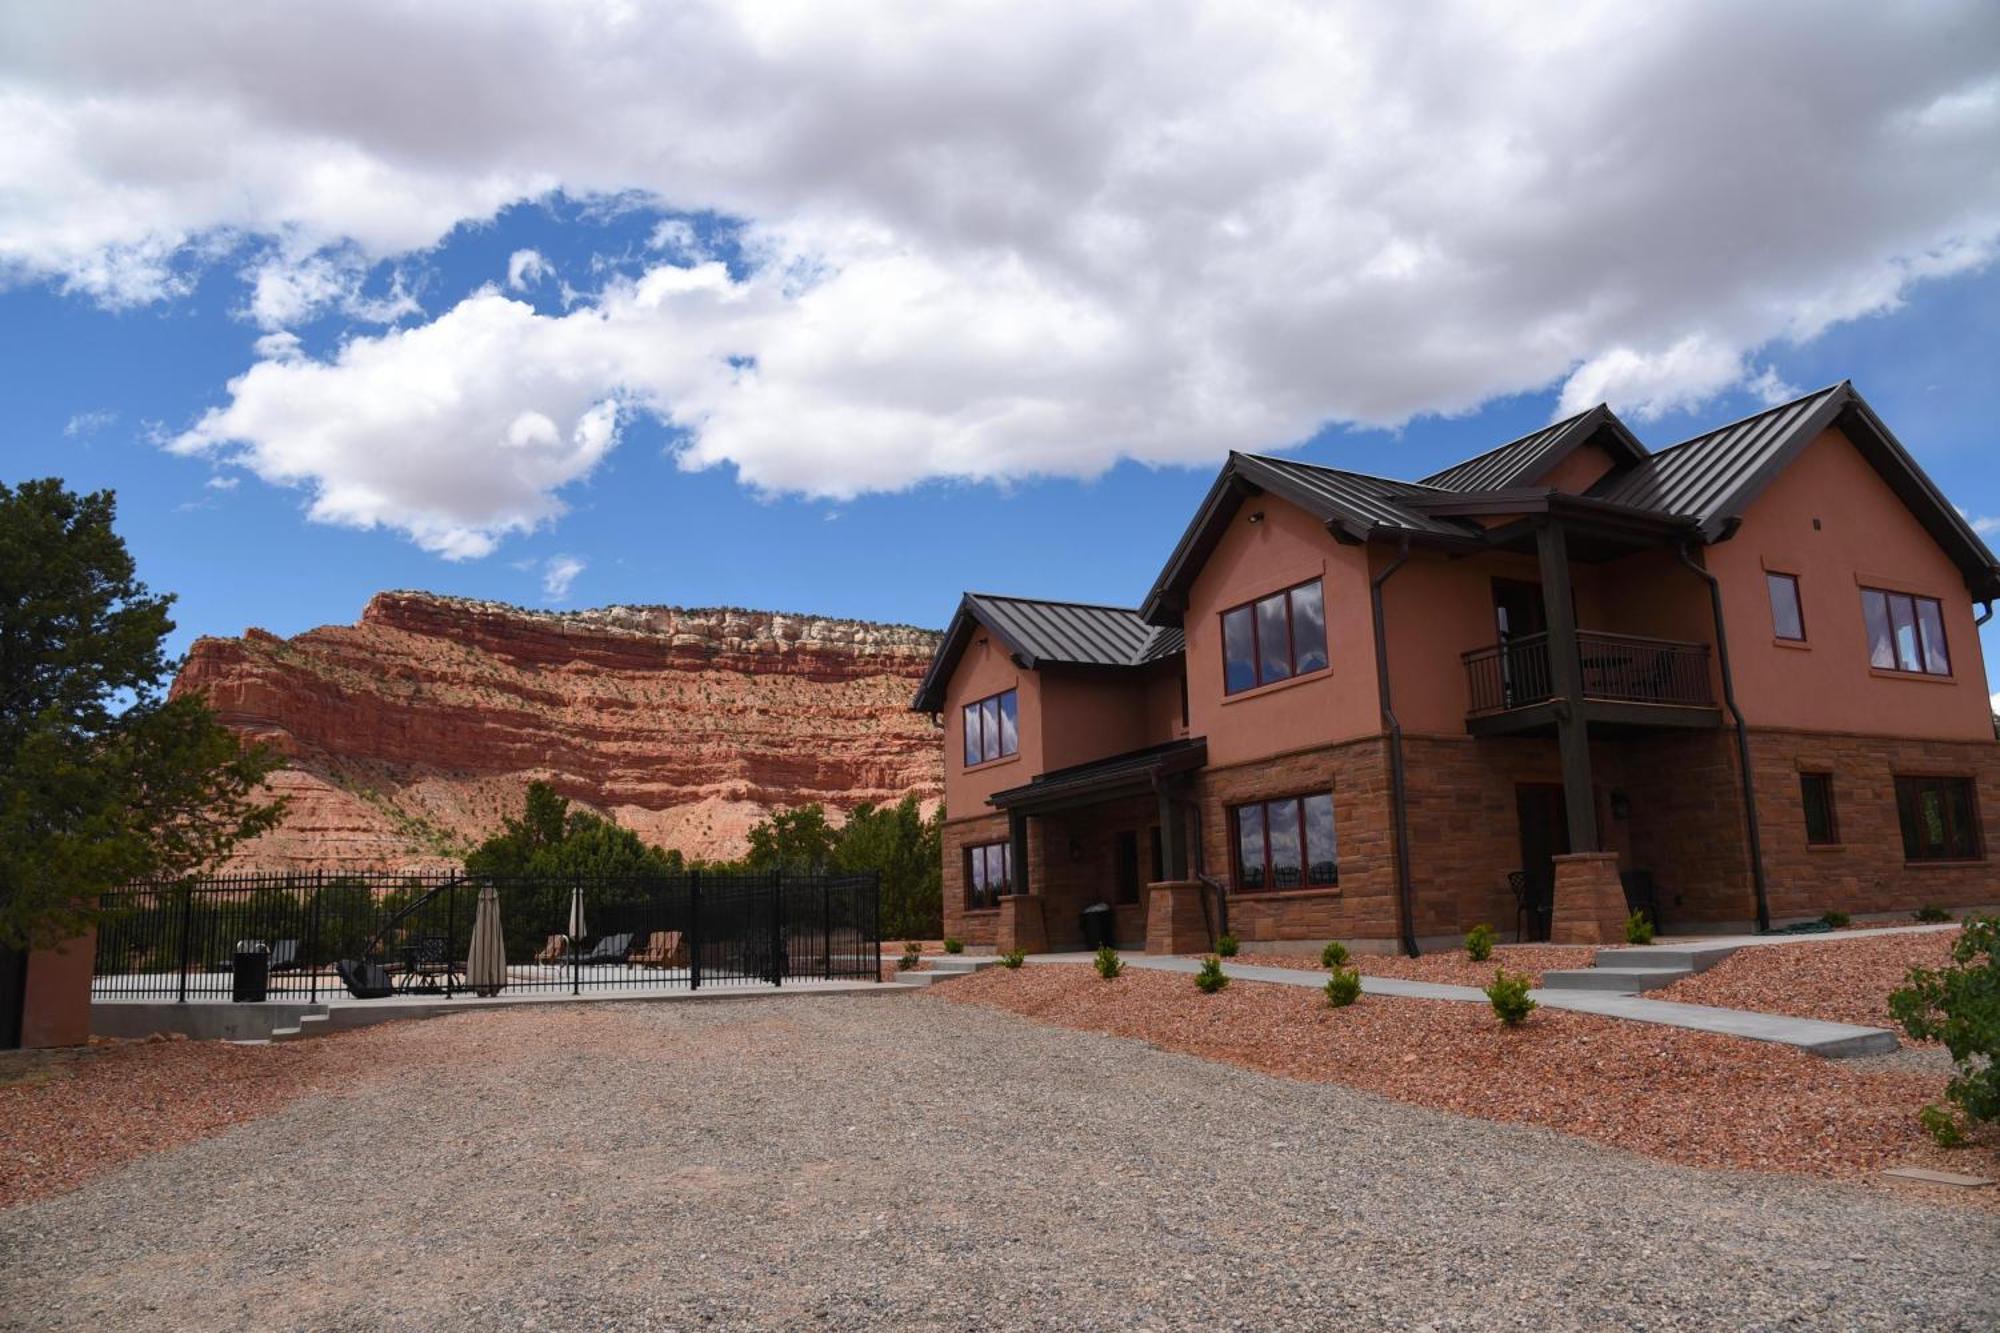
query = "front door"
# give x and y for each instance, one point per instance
(1544, 835)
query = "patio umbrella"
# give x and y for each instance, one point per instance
(486, 968)
(576, 926)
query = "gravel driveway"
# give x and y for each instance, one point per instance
(860, 1162)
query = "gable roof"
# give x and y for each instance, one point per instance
(1531, 456)
(1039, 633)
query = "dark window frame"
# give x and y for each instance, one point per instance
(1816, 796)
(1771, 578)
(1916, 602)
(1961, 841)
(1261, 809)
(986, 897)
(977, 706)
(1257, 656)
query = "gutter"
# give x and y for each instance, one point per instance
(1399, 813)
(1742, 740)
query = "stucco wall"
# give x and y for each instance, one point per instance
(986, 668)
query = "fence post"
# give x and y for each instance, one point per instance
(576, 958)
(777, 927)
(875, 920)
(450, 931)
(312, 940)
(694, 930)
(826, 929)
(187, 929)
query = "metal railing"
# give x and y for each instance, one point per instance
(179, 941)
(1622, 668)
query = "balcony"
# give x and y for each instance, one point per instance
(1625, 679)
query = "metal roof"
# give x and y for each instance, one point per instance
(1358, 502)
(1042, 633)
(1531, 456)
(1093, 781)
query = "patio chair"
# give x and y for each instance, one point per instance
(555, 951)
(426, 960)
(663, 949)
(364, 980)
(610, 949)
(284, 956)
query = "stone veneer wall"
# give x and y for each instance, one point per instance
(975, 928)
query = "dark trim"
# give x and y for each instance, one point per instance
(1542, 717)
(1749, 775)
(1399, 805)
(1129, 774)
(1168, 598)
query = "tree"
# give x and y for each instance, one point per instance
(551, 841)
(797, 841)
(905, 847)
(104, 780)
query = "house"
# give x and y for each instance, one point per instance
(1525, 691)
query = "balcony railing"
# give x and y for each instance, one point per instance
(1620, 668)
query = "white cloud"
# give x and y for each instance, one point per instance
(223, 483)
(1986, 525)
(558, 574)
(85, 424)
(999, 240)
(287, 291)
(525, 268)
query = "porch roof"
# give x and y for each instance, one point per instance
(1128, 774)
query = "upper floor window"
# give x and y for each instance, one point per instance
(1285, 844)
(1787, 620)
(1274, 638)
(1940, 819)
(992, 728)
(1905, 633)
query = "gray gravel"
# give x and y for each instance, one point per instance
(860, 1162)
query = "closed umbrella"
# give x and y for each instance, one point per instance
(576, 927)
(486, 968)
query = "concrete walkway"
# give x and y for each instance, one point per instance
(1835, 1041)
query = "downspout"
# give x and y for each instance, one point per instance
(1406, 916)
(1742, 740)
(1985, 614)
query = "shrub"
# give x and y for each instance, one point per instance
(1479, 942)
(1343, 987)
(1959, 1005)
(1836, 920)
(1228, 945)
(1108, 963)
(1210, 979)
(912, 955)
(1638, 929)
(1510, 997)
(953, 945)
(1931, 914)
(1943, 1127)
(1013, 958)
(1333, 955)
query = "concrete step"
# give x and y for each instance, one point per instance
(1622, 980)
(1686, 957)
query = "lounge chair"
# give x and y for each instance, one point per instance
(664, 948)
(555, 951)
(610, 949)
(284, 956)
(364, 981)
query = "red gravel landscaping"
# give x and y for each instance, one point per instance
(1686, 1097)
(1841, 981)
(1449, 967)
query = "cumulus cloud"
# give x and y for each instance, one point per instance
(289, 290)
(558, 574)
(525, 268)
(991, 240)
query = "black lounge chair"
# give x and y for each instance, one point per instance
(284, 956)
(610, 949)
(364, 980)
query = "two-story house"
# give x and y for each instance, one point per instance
(1526, 690)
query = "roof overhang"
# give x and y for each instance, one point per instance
(1135, 773)
(965, 622)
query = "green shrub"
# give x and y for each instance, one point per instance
(1228, 945)
(1638, 929)
(1210, 979)
(1510, 997)
(1942, 1125)
(1343, 987)
(1959, 1005)
(1931, 914)
(1333, 955)
(1836, 920)
(953, 945)
(1108, 963)
(912, 955)
(1013, 958)
(1479, 943)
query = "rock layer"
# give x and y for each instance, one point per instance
(409, 734)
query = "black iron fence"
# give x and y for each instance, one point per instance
(312, 935)
(1623, 668)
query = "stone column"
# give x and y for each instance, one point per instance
(1174, 923)
(1021, 925)
(1589, 900)
(55, 1001)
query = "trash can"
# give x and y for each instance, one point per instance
(250, 975)
(1097, 930)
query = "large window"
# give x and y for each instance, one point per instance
(989, 874)
(992, 728)
(1940, 819)
(1274, 638)
(1822, 824)
(1905, 633)
(1285, 844)
(1787, 620)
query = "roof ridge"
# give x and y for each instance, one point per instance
(1054, 601)
(1345, 472)
(1523, 437)
(1699, 436)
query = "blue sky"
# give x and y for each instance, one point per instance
(845, 318)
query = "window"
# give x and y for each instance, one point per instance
(1285, 844)
(1816, 792)
(989, 874)
(1905, 633)
(992, 728)
(1787, 620)
(1938, 818)
(1125, 867)
(1274, 638)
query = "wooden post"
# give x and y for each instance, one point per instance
(1017, 839)
(1566, 674)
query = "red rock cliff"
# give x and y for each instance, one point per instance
(410, 733)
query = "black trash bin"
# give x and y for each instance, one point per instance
(1097, 931)
(250, 976)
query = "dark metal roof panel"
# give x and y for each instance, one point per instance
(1371, 502)
(1074, 633)
(1112, 772)
(1700, 477)
(1511, 463)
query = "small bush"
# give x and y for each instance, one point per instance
(1333, 955)
(1638, 929)
(1836, 920)
(1943, 1127)
(1931, 914)
(1479, 943)
(1510, 997)
(1013, 958)
(1959, 1005)
(1210, 979)
(1343, 987)
(1108, 963)
(1228, 945)
(912, 955)
(953, 946)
